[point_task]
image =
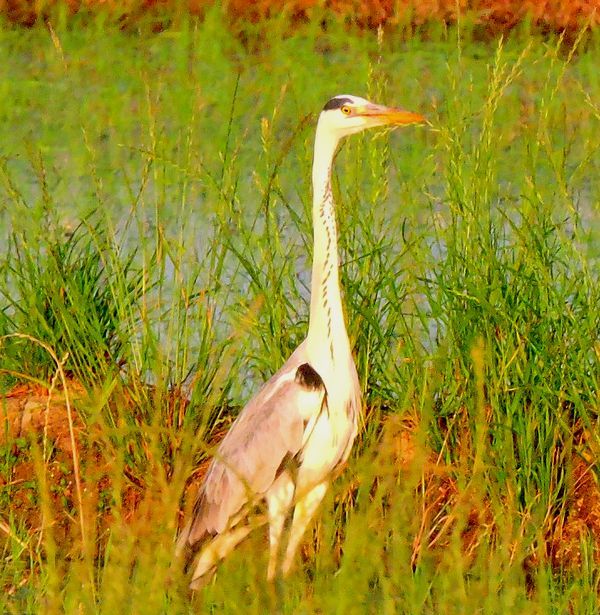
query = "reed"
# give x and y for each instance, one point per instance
(155, 216)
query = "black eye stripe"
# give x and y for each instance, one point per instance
(337, 103)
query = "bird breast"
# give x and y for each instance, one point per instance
(327, 440)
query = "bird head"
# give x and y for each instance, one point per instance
(346, 115)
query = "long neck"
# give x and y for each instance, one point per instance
(327, 337)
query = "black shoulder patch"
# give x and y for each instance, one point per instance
(307, 377)
(336, 103)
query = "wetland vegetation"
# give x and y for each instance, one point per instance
(156, 240)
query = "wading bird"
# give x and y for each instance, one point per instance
(276, 461)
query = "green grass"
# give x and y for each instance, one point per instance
(155, 215)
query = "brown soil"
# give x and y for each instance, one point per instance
(35, 429)
(29, 415)
(444, 505)
(582, 522)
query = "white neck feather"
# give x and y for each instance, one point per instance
(327, 340)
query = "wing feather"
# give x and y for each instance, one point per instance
(269, 429)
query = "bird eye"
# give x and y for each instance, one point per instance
(346, 110)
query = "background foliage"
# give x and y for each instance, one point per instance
(155, 209)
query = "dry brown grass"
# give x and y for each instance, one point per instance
(35, 428)
(582, 520)
(493, 15)
(439, 499)
(32, 416)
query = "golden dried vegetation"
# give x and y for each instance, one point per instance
(46, 445)
(494, 16)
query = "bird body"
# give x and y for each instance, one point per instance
(276, 461)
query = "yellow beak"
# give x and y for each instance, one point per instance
(390, 115)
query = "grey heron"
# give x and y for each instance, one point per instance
(276, 461)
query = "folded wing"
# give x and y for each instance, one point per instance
(267, 433)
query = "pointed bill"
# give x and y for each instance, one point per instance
(390, 115)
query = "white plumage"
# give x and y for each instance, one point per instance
(277, 460)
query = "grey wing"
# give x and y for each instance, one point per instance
(268, 431)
